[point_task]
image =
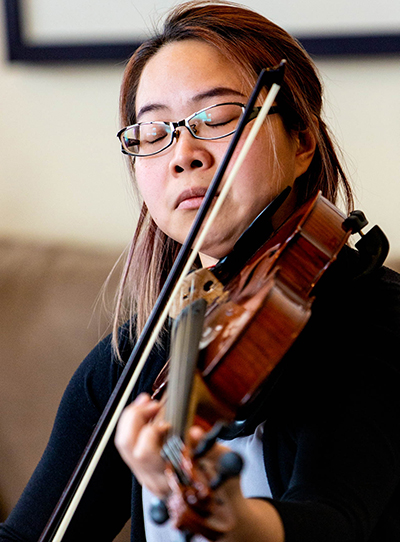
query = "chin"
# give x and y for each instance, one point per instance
(218, 252)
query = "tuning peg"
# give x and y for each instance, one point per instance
(209, 440)
(159, 511)
(355, 222)
(230, 465)
(159, 514)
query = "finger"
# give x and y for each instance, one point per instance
(150, 440)
(145, 458)
(132, 420)
(195, 435)
(139, 439)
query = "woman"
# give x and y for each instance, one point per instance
(322, 453)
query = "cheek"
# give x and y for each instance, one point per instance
(140, 175)
(260, 165)
(148, 184)
(277, 158)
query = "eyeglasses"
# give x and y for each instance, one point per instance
(210, 123)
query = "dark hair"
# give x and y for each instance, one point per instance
(252, 42)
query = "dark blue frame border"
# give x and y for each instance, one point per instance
(18, 50)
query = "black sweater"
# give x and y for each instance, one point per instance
(331, 438)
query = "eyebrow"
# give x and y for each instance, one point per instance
(213, 92)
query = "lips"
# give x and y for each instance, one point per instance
(190, 194)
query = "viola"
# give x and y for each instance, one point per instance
(248, 322)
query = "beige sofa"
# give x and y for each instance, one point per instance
(48, 323)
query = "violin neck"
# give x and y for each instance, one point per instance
(185, 340)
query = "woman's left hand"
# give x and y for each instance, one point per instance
(139, 439)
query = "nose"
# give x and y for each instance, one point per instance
(189, 153)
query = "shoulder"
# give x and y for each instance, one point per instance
(93, 382)
(357, 299)
(373, 304)
(353, 331)
(386, 291)
(98, 374)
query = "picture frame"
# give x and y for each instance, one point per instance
(20, 50)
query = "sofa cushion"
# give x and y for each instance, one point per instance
(48, 323)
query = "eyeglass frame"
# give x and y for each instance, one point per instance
(185, 123)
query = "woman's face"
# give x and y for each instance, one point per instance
(182, 78)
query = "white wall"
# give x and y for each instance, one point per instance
(363, 108)
(61, 172)
(62, 176)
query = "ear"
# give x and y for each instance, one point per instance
(306, 144)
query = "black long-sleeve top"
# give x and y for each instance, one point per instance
(331, 435)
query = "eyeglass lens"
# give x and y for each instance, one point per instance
(212, 123)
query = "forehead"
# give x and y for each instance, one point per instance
(182, 71)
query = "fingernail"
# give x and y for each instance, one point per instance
(141, 398)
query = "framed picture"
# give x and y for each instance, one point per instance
(110, 30)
